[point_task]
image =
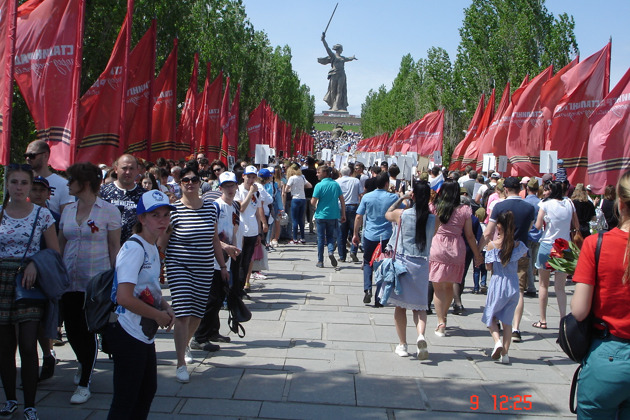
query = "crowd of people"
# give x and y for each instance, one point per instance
(207, 230)
(337, 140)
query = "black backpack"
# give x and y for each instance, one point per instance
(100, 298)
(238, 312)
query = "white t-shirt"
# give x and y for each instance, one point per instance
(249, 222)
(140, 267)
(59, 195)
(15, 233)
(296, 183)
(266, 198)
(351, 188)
(228, 228)
(558, 216)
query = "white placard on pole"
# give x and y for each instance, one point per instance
(326, 155)
(437, 157)
(503, 161)
(548, 161)
(337, 160)
(489, 162)
(262, 154)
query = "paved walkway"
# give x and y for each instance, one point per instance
(313, 350)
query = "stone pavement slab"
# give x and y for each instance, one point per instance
(313, 350)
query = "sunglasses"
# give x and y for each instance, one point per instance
(32, 155)
(20, 166)
(217, 169)
(186, 180)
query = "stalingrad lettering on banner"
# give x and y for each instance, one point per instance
(41, 54)
(136, 93)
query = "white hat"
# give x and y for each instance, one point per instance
(251, 169)
(227, 177)
(589, 188)
(495, 175)
(525, 180)
(151, 200)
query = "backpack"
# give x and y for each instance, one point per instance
(100, 298)
(238, 312)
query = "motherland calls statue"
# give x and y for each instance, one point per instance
(337, 95)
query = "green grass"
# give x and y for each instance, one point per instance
(324, 127)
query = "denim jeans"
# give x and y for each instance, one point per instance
(326, 234)
(345, 229)
(298, 206)
(480, 275)
(368, 250)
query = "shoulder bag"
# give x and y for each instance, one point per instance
(22, 294)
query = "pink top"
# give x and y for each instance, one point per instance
(455, 225)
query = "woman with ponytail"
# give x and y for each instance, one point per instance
(502, 257)
(603, 289)
(417, 227)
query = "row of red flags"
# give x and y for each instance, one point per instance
(266, 127)
(423, 137)
(127, 110)
(571, 112)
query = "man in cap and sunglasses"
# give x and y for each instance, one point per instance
(37, 155)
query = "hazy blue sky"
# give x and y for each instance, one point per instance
(380, 33)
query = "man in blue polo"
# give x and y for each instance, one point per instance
(377, 228)
(327, 196)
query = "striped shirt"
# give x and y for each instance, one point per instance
(190, 248)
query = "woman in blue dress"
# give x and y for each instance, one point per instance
(502, 257)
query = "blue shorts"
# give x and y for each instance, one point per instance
(543, 255)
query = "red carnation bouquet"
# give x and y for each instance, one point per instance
(563, 257)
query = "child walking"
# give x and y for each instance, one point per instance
(502, 257)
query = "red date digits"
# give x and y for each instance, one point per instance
(474, 400)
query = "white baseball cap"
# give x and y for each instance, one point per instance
(227, 177)
(251, 169)
(151, 200)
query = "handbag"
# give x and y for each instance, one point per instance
(575, 337)
(34, 294)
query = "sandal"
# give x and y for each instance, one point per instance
(540, 324)
(440, 331)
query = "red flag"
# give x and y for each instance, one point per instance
(225, 105)
(101, 106)
(427, 135)
(462, 146)
(186, 127)
(521, 147)
(471, 156)
(208, 121)
(484, 141)
(584, 86)
(255, 127)
(137, 122)
(608, 147)
(164, 118)
(48, 61)
(8, 13)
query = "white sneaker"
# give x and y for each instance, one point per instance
(188, 355)
(77, 375)
(423, 353)
(81, 395)
(505, 359)
(401, 350)
(496, 351)
(182, 375)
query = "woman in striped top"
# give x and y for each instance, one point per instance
(190, 263)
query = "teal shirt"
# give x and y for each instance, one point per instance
(328, 192)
